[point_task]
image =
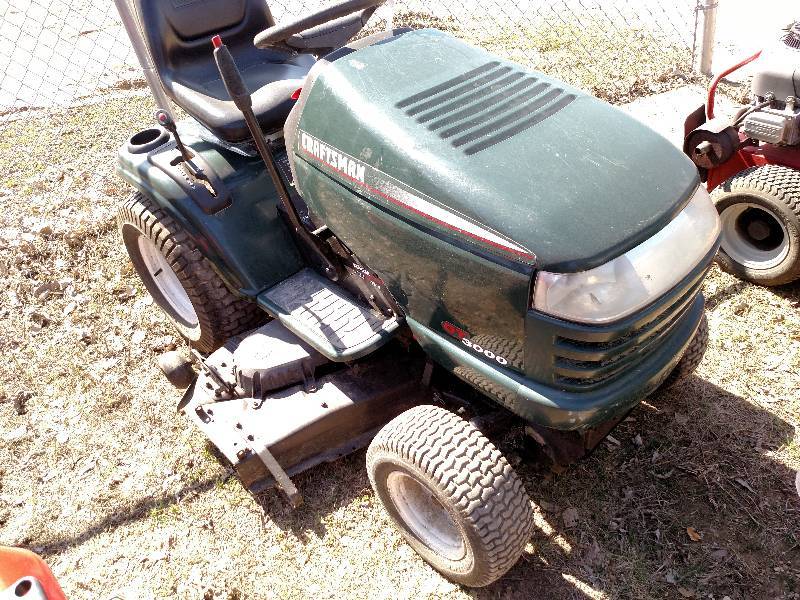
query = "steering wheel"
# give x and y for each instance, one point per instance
(279, 34)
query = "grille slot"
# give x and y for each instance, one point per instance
(485, 106)
(581, 365)
(481, 93)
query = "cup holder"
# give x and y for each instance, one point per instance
(147, 140)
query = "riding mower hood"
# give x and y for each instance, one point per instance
(750, 162)
(408, 243)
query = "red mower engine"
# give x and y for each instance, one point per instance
(751, 164)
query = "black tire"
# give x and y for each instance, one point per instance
(218, 313)
(691, 358)
(464, 486)
(769, 198)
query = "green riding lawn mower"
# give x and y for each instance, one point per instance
(406, 243)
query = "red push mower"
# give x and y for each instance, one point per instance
(751, 165)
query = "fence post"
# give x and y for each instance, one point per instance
(708, 9)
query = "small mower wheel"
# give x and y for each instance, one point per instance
(691, 356)
(760, 213)
(452, 494)
(177, 369)
(180, 279)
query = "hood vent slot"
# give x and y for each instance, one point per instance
(485, 106)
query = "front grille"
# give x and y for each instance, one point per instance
(585, 359)
(485, 106)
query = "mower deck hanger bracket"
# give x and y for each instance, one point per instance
(327, 317)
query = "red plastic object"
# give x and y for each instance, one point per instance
(17, 563)
(217, 41)
(712, 89)
(296, 93)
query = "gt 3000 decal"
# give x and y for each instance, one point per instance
(480, 350)
(462, 335)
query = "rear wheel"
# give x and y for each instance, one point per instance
(180, 279)
(760, 213)
(452, 494)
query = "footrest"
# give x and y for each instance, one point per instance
(327, 317)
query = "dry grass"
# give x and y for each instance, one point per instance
(101, 476)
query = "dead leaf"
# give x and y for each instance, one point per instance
(685, 593)
(744, 484)
(570, 517)
(693, 534)
(125, 293)
(156, 556)
(90, 464)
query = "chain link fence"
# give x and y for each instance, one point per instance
(55, 53)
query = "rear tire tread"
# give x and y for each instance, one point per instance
(220, 313)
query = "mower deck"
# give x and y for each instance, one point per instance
(307, 420)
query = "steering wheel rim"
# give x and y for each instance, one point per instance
(278, 34)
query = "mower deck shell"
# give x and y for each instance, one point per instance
(303, 427)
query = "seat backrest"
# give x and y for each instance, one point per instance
(178, 33)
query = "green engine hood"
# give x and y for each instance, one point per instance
(540, 170)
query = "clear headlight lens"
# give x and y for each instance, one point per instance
(631, 281)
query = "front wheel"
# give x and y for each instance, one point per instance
(692, 356)
(760, 213)
(180, 279)
(452, 494)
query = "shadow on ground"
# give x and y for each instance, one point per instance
(698, 457)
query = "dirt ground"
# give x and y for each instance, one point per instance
(693, 497)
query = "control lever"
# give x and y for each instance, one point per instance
(165, 120)
(237, 89)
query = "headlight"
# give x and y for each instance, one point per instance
(631, 281)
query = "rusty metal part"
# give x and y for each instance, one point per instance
(568, 447)
(282, 479)
(212, 372)
(711, 144)
(280, 476)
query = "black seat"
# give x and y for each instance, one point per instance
(178, 33)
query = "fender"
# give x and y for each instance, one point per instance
(247, 243)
